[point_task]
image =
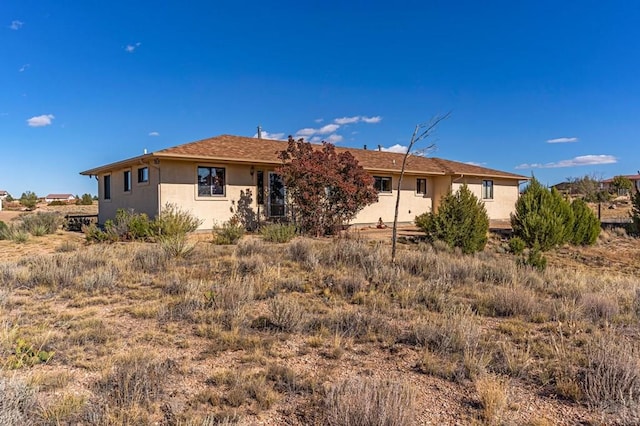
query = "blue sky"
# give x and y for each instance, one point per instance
(543, 87)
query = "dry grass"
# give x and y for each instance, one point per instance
(286, 333)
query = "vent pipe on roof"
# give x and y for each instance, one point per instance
(365, 147)
(379, 147)
(144, 151)
(259, 132)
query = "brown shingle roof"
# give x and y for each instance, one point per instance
(252, 150)
(59, 196)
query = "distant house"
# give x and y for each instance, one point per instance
(3, 194)
(59, 197)
(607, 184)
(208, 178)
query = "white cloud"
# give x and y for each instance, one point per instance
(347, 120)
(315, 139)
(266, 135)
(154, 134)
(329, 128)
(40, 120)
(307, 131)
(396, 148)
(562, 140)
(334, 138)
(24, 68)
(372, 120)
(319, 120)
(132, 47)
(358, 119)
(473, 163)
(583, 160)
(16, 25)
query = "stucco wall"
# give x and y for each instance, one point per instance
(143, 197)
(179, 186)
(411, 203)
(505, 195)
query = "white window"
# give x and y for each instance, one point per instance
(487, 190)
(211, 181)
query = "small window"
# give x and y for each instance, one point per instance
(106, 180)
(211, 181)
(127, 181)
(421, 186)
(382, 183)
(487, 190)
(143, 174)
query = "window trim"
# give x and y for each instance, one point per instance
(426, 191)
(487, 187)
(200, 196)
(142, 179)
(127, 181)
(383, 179)
(106, 187)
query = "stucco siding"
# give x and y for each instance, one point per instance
(505, 195)
(411, 203)
(179, 186)
(142, 196)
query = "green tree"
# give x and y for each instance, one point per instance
(621, 185)
(461, 221)
(589, 188)
(327, 188)
(543, 217)
(29, 200)
(586, 226)
(85, 200)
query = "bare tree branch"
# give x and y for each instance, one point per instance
(422, 131)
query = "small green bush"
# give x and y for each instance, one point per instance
(4, 231)
(586, 227)
(85, 200)
(93, 234)
(29, 200)
(461, 221)
(517, 245)
(278, 232)
(42, 223)
(229, 233)
(57, 203)
(174, 221)
(534, 259)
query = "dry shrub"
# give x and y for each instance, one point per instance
(135, 379)
(346, 285)
(512, 359)
(370, 402)
(286, 313)
(251, 246)
(359, 325)
(437, 365)
(493, 397)
(599, 306)
(251, 265)
(455, 331)
(66, 409)
(302, 250)
(612, 374)
(17, 402)
(506, 302)
(150, 259)
(101, 279)
(176, 245)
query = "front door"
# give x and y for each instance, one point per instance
(276, 205)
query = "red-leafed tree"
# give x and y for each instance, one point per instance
(326, 188)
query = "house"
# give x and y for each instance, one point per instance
(209, 177)
(65, 198)
(607, 184)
